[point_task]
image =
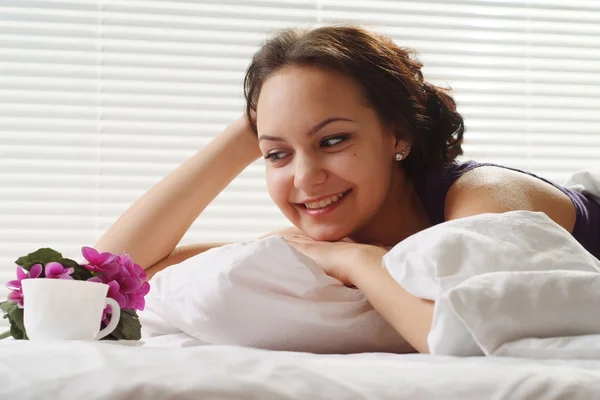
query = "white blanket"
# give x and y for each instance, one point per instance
(103, 371)
(512, 284)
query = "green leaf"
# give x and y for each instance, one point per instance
(8, 306)
(41, 256)
(67, 262)
(80, 273)
(129, 327)
(15, 332)
(17, 329)
(15, 317)
(5, 335)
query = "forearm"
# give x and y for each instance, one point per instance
(151, 228)
(410, 316)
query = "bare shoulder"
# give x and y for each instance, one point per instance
(491, 189)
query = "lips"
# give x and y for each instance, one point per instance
(324, 202)
(324, 206)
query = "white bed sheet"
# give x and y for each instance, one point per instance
(101, 370)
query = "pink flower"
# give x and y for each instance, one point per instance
(16, 297)
(127, 281)
(16, 294)
(100, 262)
(56, 270)
(113, 289)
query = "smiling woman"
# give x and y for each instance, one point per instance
(359, 150)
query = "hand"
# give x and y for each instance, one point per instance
(340, 260)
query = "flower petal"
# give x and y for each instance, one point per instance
(106, 258)
(140, 272)
(92, 268)
(130, 285)
(35, 271)
(14, 284)
(140, 303)
(142, 291)
(113, 288)
(95, 279)
(15, 296)
(21, 273)
(119, 298)
(89, 254)
(129, 301)
(96, 258)
(54, 269)
(111, 268)
(125, 259)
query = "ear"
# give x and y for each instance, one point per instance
(398, 142)
(401, 144)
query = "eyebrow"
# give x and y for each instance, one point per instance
(311, 132)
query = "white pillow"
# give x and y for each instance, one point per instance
(496, 278)
(433, 261)
(264, 294)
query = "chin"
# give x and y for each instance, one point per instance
(327, 233)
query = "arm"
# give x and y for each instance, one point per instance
(151, 228)
(410, 316)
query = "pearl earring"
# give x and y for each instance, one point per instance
(399, 157)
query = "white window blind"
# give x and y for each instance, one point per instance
(100, 99)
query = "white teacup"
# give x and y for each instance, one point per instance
(64, 309)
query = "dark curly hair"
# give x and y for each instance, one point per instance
(390, 77)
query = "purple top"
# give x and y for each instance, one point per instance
(433, 185)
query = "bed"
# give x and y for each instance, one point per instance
(101, 370)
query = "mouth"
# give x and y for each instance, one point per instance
(324, 206)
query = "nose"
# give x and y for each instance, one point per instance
(308, 172)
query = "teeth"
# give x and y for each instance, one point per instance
(325, 202)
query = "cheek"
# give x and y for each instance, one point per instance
(366, 169)
(279, 186)
(371, 172)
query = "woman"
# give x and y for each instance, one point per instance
(359, 154)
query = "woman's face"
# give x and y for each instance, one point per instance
(329, 161)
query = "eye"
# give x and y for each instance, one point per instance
(332, 141)
(275, 156)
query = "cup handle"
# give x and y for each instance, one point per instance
(114, 318)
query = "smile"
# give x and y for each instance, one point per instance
(323, 206)
(325, 202)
